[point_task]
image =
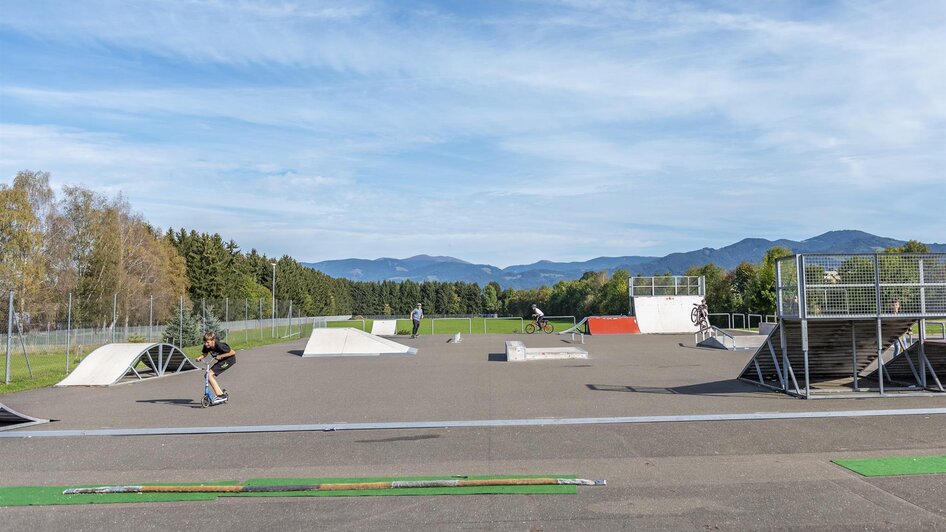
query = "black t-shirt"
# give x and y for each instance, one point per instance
(219, 348)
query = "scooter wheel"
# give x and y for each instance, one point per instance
(204, 402)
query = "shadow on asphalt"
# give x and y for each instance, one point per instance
(721, 388)
(497, 357)
(177, 402)
(297, 352)
(401, 438)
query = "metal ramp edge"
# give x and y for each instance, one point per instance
(118, 363)
(836, 348)
(11, 419)
(576, 329)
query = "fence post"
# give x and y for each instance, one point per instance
(9, 336)
(180, 337)
(114, 314)
(68, 331)
(151, 319)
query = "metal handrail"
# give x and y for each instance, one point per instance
(713, 332)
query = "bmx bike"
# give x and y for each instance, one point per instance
(534, 326)
(700, 315)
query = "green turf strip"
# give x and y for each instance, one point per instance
(52, 495)
(894, 466)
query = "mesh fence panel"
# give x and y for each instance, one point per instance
(666, 285)
(862, 285)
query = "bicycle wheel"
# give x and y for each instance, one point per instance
(548, 328)
(695, 315)
(530, 328)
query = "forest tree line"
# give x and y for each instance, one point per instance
(96, 249)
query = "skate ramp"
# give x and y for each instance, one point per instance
(670, 314)
(348, 341)
(613, 325)
(907, 366)
(11, 419)
(837, 349)
(384, 327)
(121, 363)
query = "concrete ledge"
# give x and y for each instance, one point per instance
(516, 351)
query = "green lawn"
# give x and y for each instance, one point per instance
(50, 368)
(457, 325)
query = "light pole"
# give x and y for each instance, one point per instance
(274, 300)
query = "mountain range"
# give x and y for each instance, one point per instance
(432, 268)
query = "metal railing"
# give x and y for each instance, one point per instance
(715, 332)
(521, 322)
(433, 323)
(728, 317)
(667, 285)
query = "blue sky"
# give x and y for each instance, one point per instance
(500, 132)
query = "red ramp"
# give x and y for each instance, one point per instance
(613, 325)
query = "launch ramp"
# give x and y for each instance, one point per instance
(348, 341)
(121, 363)
(11, 419)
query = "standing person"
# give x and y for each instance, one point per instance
(416, 315)
(538, 315)
(223, 354)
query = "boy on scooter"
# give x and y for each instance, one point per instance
(225, 357)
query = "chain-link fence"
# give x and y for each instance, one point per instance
(73, 328)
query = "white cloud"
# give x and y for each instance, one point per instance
(642, 126)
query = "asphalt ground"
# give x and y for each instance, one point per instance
(747, 474)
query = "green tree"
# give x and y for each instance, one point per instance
(760, 295)
(183, 330)
(614, 298)
(490, 299)
(719, 290)
(910, 246)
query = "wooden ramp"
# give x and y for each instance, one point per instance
(837, 350)
(906, 368)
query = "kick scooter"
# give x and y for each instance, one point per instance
(209, 398)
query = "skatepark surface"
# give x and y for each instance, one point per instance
(694, 475)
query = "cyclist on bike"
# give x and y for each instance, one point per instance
(702, 314)
(538, 315)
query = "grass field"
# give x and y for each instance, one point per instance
(50, 368)
(458, 325)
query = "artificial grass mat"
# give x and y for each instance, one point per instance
(52, 495)
(897, 465)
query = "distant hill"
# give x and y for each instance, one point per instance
(427, 268)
